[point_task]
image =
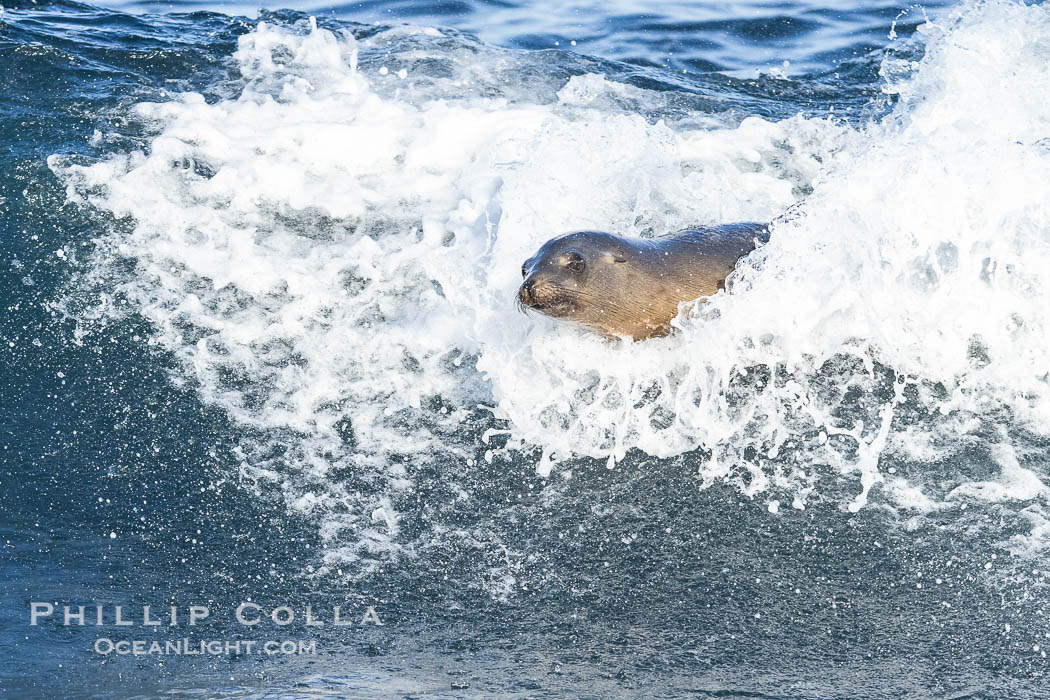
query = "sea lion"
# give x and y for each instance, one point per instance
(622, 287)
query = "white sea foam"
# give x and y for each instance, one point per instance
(332, 253)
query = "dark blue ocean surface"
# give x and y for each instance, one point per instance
(695, 37)
(259, 346)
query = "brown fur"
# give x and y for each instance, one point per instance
(629, 287)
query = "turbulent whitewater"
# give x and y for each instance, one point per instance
(332, 248)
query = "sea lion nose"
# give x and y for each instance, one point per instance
(525, 291)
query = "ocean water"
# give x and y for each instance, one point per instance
(260, 345)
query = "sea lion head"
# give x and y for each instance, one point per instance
(575, 277)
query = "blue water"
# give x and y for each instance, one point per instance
(134, 474)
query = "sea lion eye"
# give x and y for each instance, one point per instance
(575, 262)
(524, 272)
